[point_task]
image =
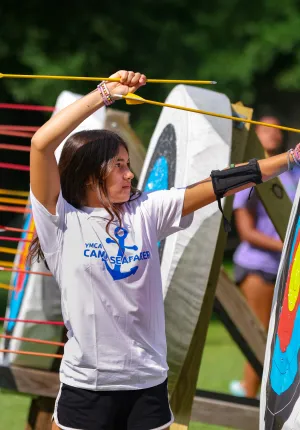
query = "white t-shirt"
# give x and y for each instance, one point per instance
(111, 294)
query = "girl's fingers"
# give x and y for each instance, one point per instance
(129, 81)
(130, 77)
(143, 80)
(123, 76)
(135, 80)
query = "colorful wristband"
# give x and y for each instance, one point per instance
(289, 162)
(295, 153)
(106, 96)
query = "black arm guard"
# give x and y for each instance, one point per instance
(229, 179)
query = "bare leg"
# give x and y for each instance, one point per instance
(54, 426)
(259, 295)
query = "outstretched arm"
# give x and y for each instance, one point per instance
(44, 175)
(202, 193)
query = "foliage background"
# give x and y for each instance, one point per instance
(251, 48)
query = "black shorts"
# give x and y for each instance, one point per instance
(240, 273)
(146, 409)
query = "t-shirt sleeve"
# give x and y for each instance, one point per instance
(49, 227)
(165, 209)
(242, 200)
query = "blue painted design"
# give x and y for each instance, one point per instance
(17, 297)
(120, 234)
(284, 365)
(158, 178)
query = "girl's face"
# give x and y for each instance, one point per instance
(270, 138)
(118, 182)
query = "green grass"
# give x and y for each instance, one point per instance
(5, 277)
(14, 410)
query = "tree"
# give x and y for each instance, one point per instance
(242, 45)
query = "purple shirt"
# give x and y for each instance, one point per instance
(247, 255)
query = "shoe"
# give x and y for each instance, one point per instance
(237, 389)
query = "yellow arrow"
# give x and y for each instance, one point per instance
(13, 201)
(6, 263)
(86, 78)
(133, 99)
(9, 250)
(14, 193)
(7, 287)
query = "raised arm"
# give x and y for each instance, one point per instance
(202, 193)
(44, 175)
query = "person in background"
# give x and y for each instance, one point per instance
(256, 260)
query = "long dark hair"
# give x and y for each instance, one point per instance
(87, 156)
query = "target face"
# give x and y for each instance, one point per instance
(281, 382)
(183, 150)
(162, 167)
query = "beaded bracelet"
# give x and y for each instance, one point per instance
(295, 153)
(289, 163)
(106, 96)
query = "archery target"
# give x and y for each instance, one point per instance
(93, 122)
(280, 394)
(183, 150)
(37, 297)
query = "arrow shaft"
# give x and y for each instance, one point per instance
(10, 147)
(218, 115)
(13, 201)
(29, 272)
(180, 81)
(87, 78)
(7, 287)
(6, 250)
(36, 354)
(30, 339)
(19, 230)
(14, 192)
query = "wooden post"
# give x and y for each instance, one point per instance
(40, 414)
(225, 410)
(118, 121)
(241, 317)
(183, 395)
(245, 146)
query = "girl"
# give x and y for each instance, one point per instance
(257, 257)
(99, 237)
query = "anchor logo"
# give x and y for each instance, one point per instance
(116, 274)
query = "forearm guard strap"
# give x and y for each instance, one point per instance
(235, 177)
